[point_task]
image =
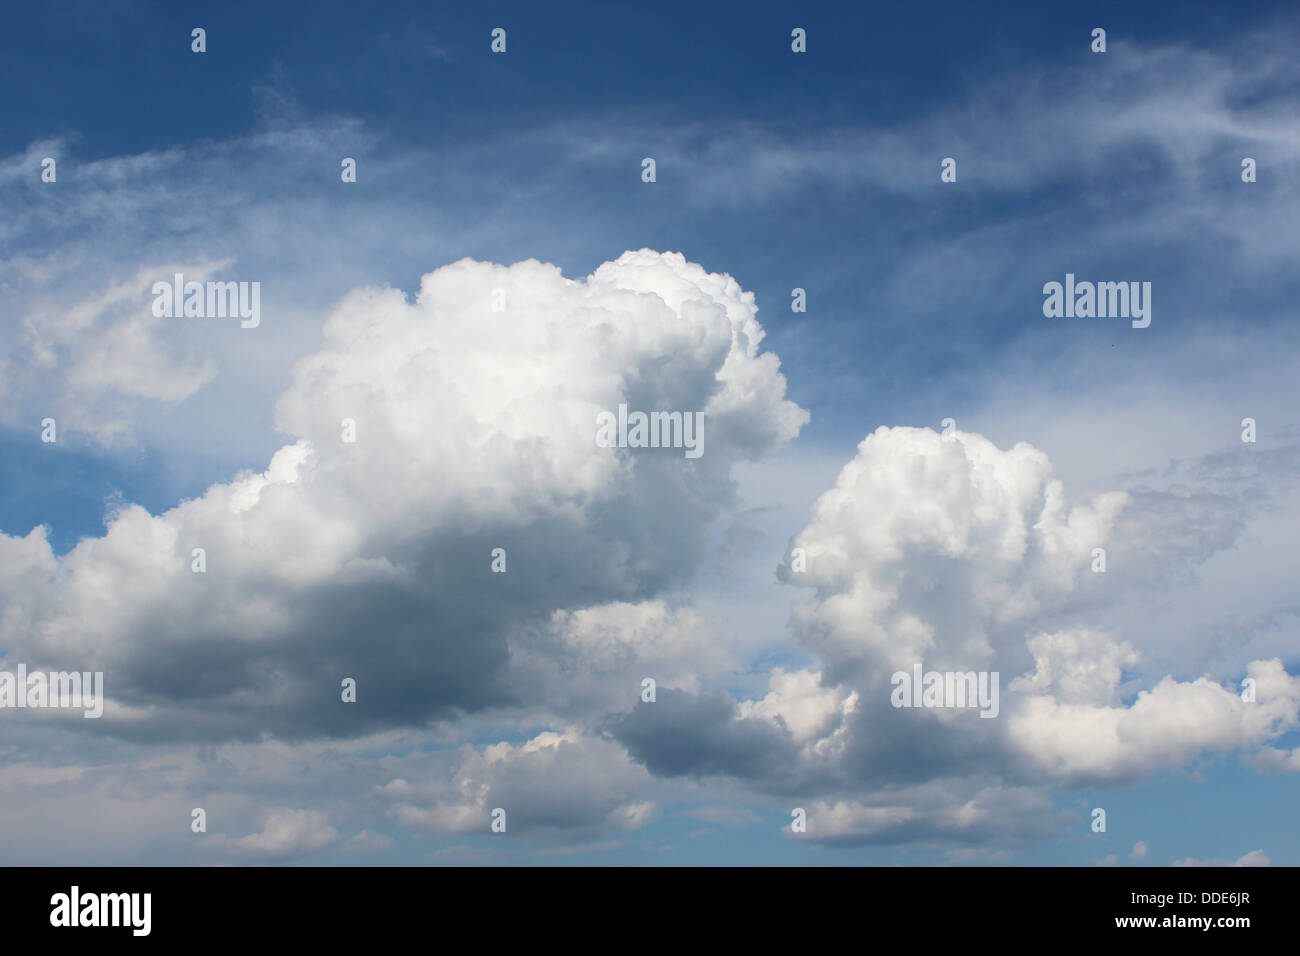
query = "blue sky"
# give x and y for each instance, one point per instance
(818, 171)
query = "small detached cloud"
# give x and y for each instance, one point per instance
(1253, 858)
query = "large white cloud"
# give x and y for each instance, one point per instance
(475, 429)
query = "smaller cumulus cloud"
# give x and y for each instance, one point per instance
(1253, 858)
(284, 834)
(561, 783)
(1273, 760)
